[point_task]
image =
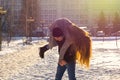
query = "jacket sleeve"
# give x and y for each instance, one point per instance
(52, 42)
(64, 49)
(66, 44)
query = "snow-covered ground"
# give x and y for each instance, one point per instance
(17, 44)
(105, 62)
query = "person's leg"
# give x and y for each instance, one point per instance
(60, 72)
(71, 71)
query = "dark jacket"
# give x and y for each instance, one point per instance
(70, 52)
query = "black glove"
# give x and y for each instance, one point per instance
(42, 50)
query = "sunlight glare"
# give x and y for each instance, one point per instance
(103, 4)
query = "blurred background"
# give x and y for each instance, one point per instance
(32, 18)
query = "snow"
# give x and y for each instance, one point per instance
(16, 45)
(105, 62)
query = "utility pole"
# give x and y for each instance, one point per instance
(26, 31)
(2, 12)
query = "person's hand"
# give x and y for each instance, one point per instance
(62, 62)
(42, 50)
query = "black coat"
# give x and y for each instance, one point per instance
(69, 54)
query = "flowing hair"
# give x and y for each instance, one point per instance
(79, 38)
(82, 44)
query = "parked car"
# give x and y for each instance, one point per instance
(100, 34)
(116, 33)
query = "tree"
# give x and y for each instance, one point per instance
(102, 22)
(2, 12)
(116, 23)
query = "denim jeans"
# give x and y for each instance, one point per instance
(70, 69)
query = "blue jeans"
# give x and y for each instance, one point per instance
(70, 69)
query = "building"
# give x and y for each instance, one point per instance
(81, 12)
(26, 15)
(12, 22)
(19, 13)
(75, 10)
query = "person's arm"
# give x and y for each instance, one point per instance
(64, 49)
(63, 62)
(52, 42)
